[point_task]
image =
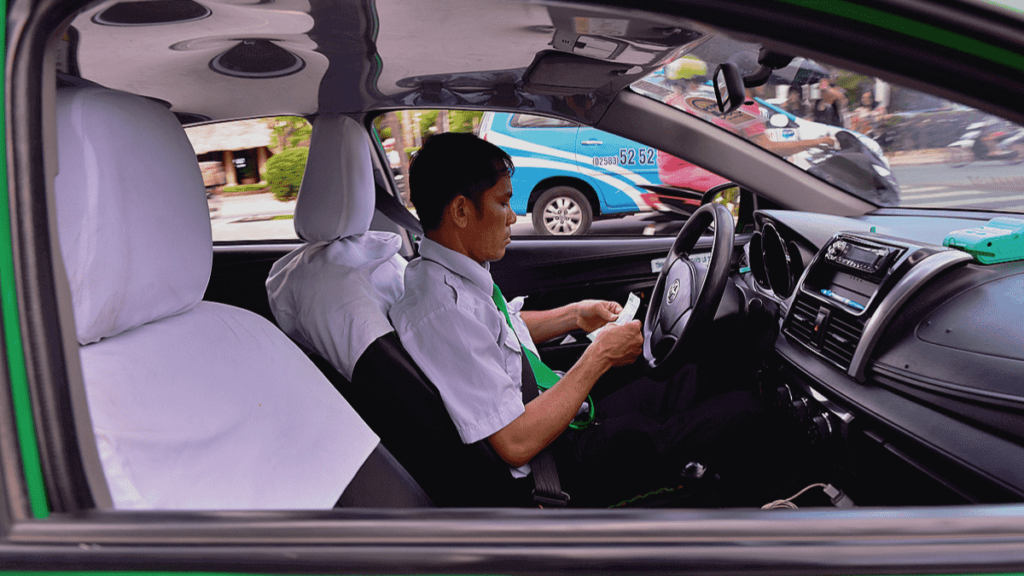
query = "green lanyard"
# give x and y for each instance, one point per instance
(546, 377)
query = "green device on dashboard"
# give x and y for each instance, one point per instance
(1001, 240)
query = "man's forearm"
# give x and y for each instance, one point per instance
(547, 324)
(549, 414)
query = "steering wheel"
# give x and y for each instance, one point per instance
(687, 295)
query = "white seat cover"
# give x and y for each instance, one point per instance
(194, 405)
(332, 295)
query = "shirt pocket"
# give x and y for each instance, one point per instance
(513, 354)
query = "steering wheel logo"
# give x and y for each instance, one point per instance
(673, 291)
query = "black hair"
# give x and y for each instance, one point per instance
(453, 164)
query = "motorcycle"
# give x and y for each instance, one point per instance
(982, 141)
(854, 167)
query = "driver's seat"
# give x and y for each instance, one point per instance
(332, 296)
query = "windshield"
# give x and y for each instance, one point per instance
(887, 144)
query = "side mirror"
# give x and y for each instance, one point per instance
(728, 84)
(739, 201)
(728, 195)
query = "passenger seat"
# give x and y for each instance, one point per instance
(194, 405)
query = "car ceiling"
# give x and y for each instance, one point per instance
(307, 56)
(362, 55)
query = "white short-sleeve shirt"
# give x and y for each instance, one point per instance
(448, 323)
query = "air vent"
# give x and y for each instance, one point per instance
(841, 332)
(841, 338)
(801, 320)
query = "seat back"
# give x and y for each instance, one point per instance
(398, 401)
(332, 296)
(194, 405)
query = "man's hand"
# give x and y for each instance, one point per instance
(618, 345)
(827, 141)
(593, 314)
(549, 414)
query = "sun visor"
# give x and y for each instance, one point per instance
(336, 198)
(134, 232)
(559, 74)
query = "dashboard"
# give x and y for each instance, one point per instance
(900, 359)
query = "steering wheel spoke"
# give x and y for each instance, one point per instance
(687, 295)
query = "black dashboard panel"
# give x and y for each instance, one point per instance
(995, 308)
(909, 353)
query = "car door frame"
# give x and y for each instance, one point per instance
(71, 536)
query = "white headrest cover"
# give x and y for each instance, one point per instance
(336, 198)
(132, 217)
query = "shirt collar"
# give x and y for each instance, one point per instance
(478, 274)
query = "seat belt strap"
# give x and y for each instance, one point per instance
(544, 376)
(547, 489)
(389, 206)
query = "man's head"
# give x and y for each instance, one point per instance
(450, 165)
(461, 188)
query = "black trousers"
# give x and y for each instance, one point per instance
(647, 431)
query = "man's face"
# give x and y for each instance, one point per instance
(489, 228)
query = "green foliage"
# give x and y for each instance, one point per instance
(244, 188)
(462, 120)
(853, 85)
(427, 119)
(410, 150)
(383, 132)
(284, 172)
(288, 132)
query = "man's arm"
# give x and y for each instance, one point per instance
(550, 413)
(588, 315)
(789, 148)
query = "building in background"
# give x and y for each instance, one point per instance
(232, 153)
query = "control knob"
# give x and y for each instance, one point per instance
(836, 247)
(783, 396)
(820, 428)
(799, 409)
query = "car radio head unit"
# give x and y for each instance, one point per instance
(863, 257)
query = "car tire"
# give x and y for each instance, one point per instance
(562, 211)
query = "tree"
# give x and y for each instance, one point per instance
(284, 173)
(464, 120)
(288, 132)
(427, 118)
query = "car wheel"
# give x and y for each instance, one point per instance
(562, 211)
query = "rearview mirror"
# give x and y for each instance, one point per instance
(728, 84)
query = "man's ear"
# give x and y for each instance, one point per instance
(459, 211)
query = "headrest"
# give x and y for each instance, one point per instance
(336, 198)
(132, 216)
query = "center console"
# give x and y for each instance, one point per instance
(852, 288)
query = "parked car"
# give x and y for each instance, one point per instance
(885, 339)
(568, 174)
